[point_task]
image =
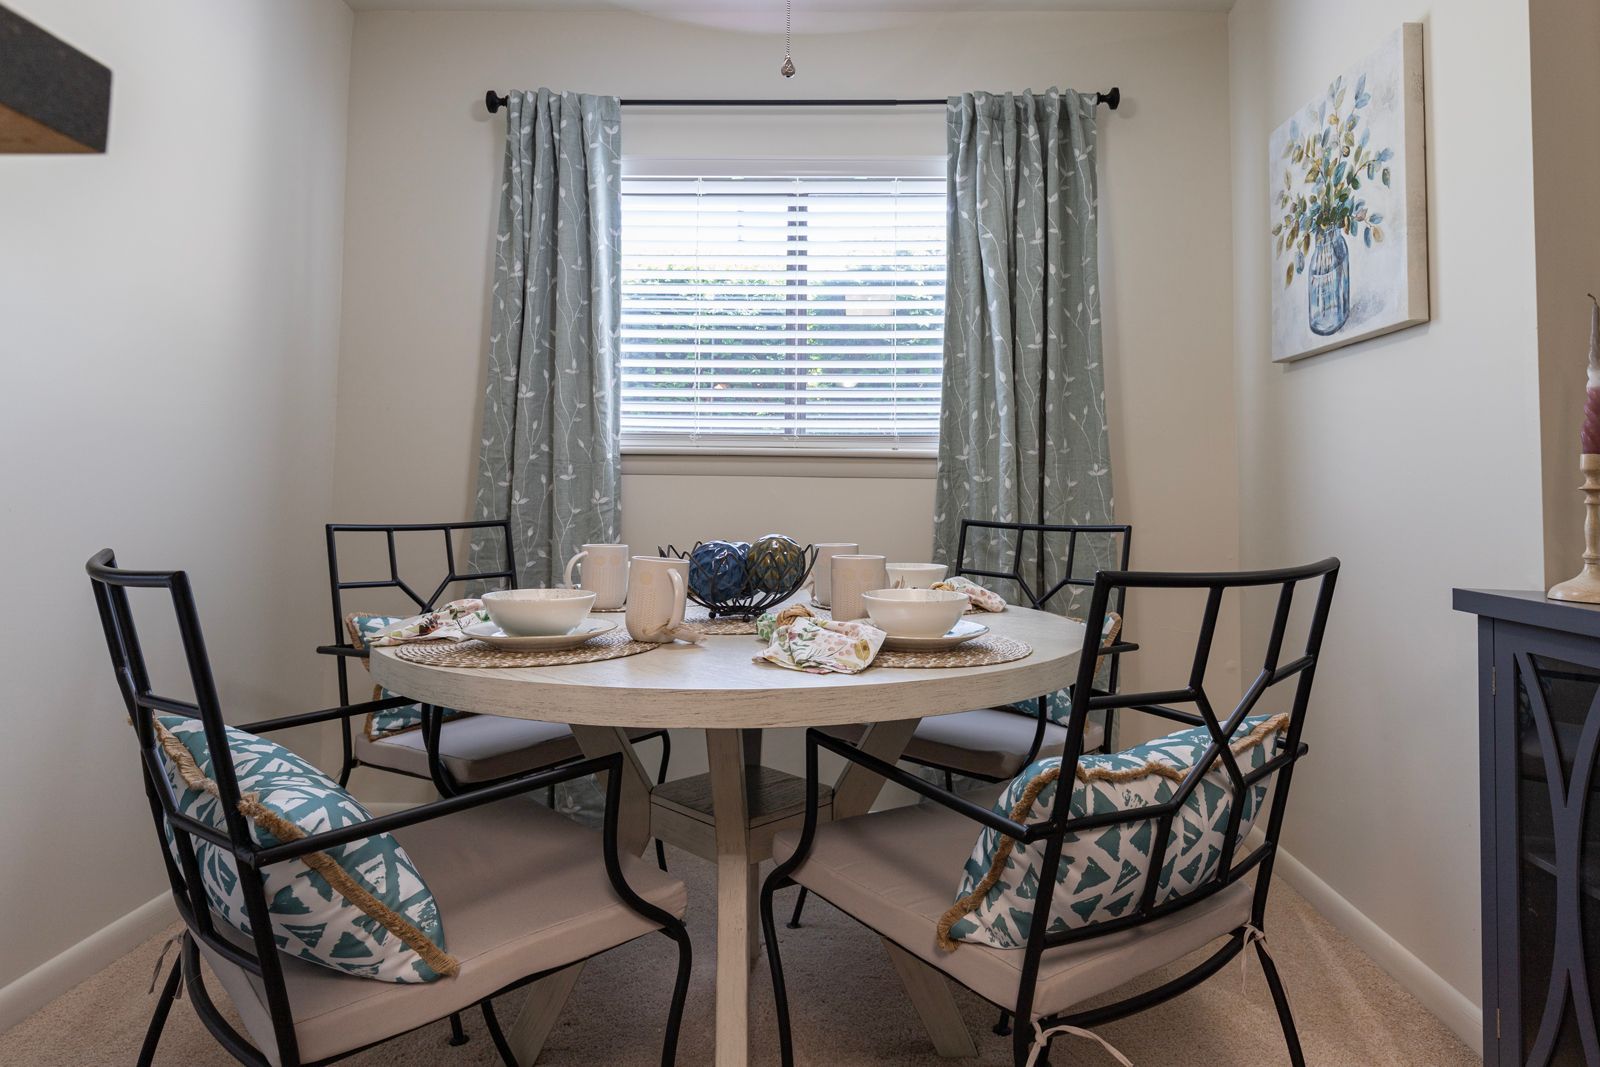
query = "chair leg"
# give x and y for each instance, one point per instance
(799, 903)
(780, 995)
(158, 1019)
(666, 757)
(949, 782)
(1280, 1000)
(496, 1035)
(680, 993)
(1003, 1027)
(661, 777)
(458, 1036)
(1022, 1048)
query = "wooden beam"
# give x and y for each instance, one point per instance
(53, 98)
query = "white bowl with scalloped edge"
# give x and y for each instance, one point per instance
(914, 612)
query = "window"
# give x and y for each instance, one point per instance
(782, 312)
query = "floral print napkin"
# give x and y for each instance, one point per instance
(448, 623)
(980, 598)
(802, 642)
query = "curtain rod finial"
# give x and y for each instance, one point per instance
(1112, 98)
(494, 102)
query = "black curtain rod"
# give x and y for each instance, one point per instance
(1111, 98)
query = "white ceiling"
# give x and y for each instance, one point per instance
(682, 8)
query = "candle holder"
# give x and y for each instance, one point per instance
(1585, 587)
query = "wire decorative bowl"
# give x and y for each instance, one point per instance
(728, 584)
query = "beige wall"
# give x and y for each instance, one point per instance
(1566, 160)
(169, 330)
(423, 192)
(1413, 457)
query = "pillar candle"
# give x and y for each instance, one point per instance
(1591, 407)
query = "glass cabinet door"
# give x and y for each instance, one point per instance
(1557, 856)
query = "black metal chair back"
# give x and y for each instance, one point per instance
(344, 649)
(1049, 570)
(111, 585)
(1274, 671)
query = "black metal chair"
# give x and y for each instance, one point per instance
(902, 863)
(297, 1013)
(994, 744)
(456, 754)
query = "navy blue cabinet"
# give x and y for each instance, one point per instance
(1539, 721)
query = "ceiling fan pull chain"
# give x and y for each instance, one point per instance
(787, 70)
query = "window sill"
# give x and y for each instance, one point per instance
(713, 461)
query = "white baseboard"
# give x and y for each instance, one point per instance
(1453, 1008)
(26, 995)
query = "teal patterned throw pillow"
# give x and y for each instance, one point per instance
(362, 628)
(361, 908)
(1058, 705)
(1102, 872)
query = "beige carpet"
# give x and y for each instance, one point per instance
(848, 1009)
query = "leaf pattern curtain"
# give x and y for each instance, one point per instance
(549, 454)
(1022, 431)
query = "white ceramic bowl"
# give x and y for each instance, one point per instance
(914, 612)
(915, 575)
(538, 612)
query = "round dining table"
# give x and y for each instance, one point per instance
(718, 687)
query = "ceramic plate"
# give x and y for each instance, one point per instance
(964, 630)
(492, 635)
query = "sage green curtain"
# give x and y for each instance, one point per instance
(1022, 431)
(549, 456)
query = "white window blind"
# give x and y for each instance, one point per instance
(782, 311)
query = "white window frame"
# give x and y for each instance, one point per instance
(922, 448)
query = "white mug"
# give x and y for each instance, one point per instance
(853, 575)
(822, 570)
(657, 587)
(605, 574)
(914, 575)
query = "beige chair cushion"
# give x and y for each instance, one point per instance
(520, 890)
(477, 748)
(897, 871)
(987, 743)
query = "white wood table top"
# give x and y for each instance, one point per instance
(718, 685)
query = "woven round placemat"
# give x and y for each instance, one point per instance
(979, 652)
(614, 645)
(701, 619)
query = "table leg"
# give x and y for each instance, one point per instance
(935, 1006)
(734, 916)
(546, 998)
(854, 794)
(857, 788)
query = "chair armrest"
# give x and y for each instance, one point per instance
(527, 783)
(309, 718)
(348, 651)
(960, 805)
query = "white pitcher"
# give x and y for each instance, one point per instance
(605, 574)
(657, 589)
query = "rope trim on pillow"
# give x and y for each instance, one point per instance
(250, 807)
(1108, 638)
(1019, 811)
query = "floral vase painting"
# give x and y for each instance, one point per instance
(1349, 207)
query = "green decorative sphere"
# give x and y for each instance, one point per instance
(775, 564)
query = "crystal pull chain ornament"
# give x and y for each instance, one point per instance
(787, 70)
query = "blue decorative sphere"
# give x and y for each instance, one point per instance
(776, 563)
(717, 570)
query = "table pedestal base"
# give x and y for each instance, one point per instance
(747, 805)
